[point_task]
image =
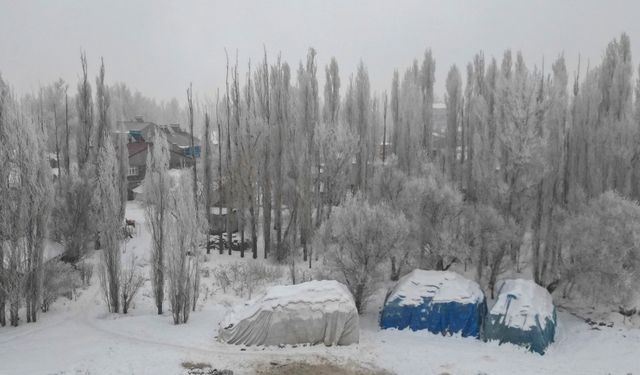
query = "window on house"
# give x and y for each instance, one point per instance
(133, 171)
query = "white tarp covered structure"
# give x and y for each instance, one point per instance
(309, 313)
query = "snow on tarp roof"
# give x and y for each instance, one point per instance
(329, 294)
(520, 301)
(440, 286)
(313, 312)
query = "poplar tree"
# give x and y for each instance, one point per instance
(157, 186)
(453, 101)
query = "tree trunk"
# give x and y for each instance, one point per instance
(229, 189)
(3, 317)
(159, 289)
(207, 178)
(280, 254)
(66, 122)
(395, 270)
(254, 229)
(537, 226)
(193, 150)
(266, 202)
(241, 221)
(13, 313)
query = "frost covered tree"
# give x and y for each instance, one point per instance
(331, 93)
(157, 185)
(109, 224)
(362, 126)
(182, 253)
(337, 148)
(602, 256)
(433, 207)
(360, 237)
(75, 207)
(427, 80)
(208, 175)
(307, 113)
(280, 87)
(84, 103)
(490, 236)
(453, 100)
(410, 122)
(25, 203)
(109, 202)
(264, 107)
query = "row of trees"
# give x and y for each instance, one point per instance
(506, 191)
(496, 188)
(79, 195)
(26, 193)
(500, 188)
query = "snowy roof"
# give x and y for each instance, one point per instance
(440, 286)
(139, 189)
(520, 301)
(329, 294)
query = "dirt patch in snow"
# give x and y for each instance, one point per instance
(322, 368)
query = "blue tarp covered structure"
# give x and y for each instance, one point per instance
(523, 315)
(438, 301)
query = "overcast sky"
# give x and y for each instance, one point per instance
(158, 47)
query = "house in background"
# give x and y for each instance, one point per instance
(140, 135)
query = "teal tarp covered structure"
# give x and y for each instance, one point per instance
(523, 315)
(438, 301)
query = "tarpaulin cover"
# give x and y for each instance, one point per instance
(309, 313)
(523, 315)
(438, 301)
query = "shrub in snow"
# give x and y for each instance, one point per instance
(309, 313)
(243, 278)
(438, 301)
(130, 282)
(60, 279)
(524, 315)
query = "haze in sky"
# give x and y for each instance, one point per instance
(158, 47)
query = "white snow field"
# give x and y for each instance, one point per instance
(79, 338)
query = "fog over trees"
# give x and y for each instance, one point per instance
(535, 169)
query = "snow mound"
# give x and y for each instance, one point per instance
(311, 313)
(439, 286)
(523, 304)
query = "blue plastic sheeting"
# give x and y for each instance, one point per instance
(536, 338)
(441, 317)
(187, 151)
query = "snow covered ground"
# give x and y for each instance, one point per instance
(79, 337)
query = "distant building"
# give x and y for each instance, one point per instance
(140, 135)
